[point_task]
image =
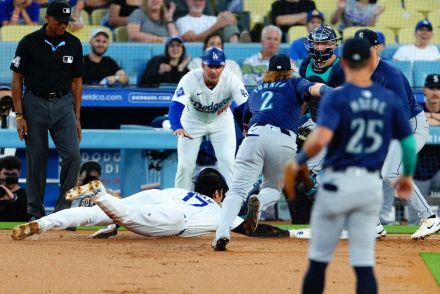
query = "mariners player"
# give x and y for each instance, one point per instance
(393, 79)
(357, 122)
(270, 141)
(201, 106)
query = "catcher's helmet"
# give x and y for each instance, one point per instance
(208, 181)
(320, 34)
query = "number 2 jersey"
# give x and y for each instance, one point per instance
(364, 120)
(204, 103)
(201, 212)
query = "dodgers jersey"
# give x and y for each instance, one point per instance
(209, 104)
(202, 213)
(270, 102)
(364, 120)
(393, 79)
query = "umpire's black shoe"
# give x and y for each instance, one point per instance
(250, 223)
(220, 245)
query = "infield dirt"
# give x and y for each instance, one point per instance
(68, 262)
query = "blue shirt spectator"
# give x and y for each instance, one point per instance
(15, 12)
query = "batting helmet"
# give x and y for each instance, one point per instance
(322, 34)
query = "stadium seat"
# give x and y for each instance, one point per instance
(389, 51)
(41, 19)
(396, 19)
(422, 6)
(258, 9)
(86, 32)
(97, 15)
(388, 33)
(84, 17)
(327, 7)
(121, 34)
(406, 36)
(16, 32)
(7, 50)
(434, 18)
(406, 67)
(422, 69)
(296, 32)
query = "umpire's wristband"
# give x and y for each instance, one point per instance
(302, 158)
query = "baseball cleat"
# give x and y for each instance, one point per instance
(88, 190)
(250, 223)
(221, 243)
(428, 226)
(380, 231)
(107, 232)
(23, 231)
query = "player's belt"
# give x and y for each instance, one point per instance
(50, 95)
(282, 130)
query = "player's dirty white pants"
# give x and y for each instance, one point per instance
(350, 199)
(265, 150)
(95, 215)
(315, 163)
(392, 166)
(221, 133)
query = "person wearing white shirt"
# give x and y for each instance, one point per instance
(421, 49)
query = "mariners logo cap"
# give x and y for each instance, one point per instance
(432, 81)
(60, 10)
(368, 35)
(279, 62)
(214, 56)
(356, 50)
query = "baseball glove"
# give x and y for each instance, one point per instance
(295, 174)
(303, 134)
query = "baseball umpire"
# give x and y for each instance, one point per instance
(357, 122)
(49, 63)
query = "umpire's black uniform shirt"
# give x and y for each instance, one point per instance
(48, 63)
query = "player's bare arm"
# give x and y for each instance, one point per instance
(17, 90)
(77, 96)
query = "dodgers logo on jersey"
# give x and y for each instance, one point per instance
(211, 108)
(244, 93)
(180, 92)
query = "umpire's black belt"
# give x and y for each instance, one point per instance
(282, 130)
(50, 95)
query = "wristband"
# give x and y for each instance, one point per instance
(19, 113)
(302, 158)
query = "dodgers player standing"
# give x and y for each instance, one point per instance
(357, 122)
(393, 79)
(271, 140)
(200, 107)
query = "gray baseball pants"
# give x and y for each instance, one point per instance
(58, 118)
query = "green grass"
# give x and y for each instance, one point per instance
(390, 229)
(432, 261)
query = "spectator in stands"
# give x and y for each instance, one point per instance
(152, 22)
(17, 12)
(255, 66)
(286, 13)
(13, 201)
(196, 26)
(351, 13)
(120, 10)
(216, 40)
(427, 176)
(90, 5)
(7, 116)
(77, 9)
(421, 49)
(382, 42)
(100, 69)
(169, 67)
(297, 49)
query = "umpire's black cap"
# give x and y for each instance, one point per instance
(367, 35)
(356, 50)
(279, 62)
(60, 10)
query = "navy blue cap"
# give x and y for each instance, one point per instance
(356, 50)
(279, 62)
(432, 81)
(368, 35)
(214, 56)
(424, 24)
(315, 13)
(173, 38)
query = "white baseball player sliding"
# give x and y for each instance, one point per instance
(169, 212)
(201, 107)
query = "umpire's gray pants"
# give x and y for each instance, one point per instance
(350, 199)
(57, 117)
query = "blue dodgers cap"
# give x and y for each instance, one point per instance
(279, 62)
(380, 37)
(356, 50)
(214, 56)
(424, 24)
(173, 38)
(315, 13)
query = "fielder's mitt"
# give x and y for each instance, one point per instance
(303, 134)
(294, 174)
